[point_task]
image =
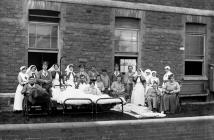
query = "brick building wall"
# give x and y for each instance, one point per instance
(163, 39)
(13, 42)
(86, 34)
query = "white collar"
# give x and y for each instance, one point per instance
(45, 73)
(116, 72)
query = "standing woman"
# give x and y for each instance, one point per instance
(32, 71)
(22, 79)
(148, 75)
(154, 78)
(93, 73)
(70, 75)
(138, 93)
(170, 89)
(166, 75)
(56, 76)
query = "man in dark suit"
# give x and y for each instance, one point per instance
(115, 74)
(45, 78)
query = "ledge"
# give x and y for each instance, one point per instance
(140, 6)
(202, 78)
(7, 94)
(73, 125)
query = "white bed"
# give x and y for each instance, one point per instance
(60, 96)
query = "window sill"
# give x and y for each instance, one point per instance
(131, 54)
(42, 50)
(202, 78)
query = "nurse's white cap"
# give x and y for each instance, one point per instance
(167, 67)
(22, 67)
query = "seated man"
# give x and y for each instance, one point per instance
(45, 78)
(152, 96)
(82, 72)
(118, 89)
(82, 83)
(35, 93)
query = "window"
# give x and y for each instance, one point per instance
(124, 62)
(126, 35)
(43, 36)
(126, 42)
(43, 29)
(195, 49)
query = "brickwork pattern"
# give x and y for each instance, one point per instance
(147, 130)
(13, 40)
(162, 41)
(211, 41)
(87, 36)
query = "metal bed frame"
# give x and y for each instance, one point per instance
(92, 110)
(64, 105)
(97, 105)
(65, 110)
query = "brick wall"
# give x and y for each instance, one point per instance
(162, 41)
(198, 4)
(87, 35)
(13, 41)
(211, 42)
(195, 128)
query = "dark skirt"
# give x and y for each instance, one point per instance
(170, 103)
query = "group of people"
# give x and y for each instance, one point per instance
(35, 85)
(140, 87)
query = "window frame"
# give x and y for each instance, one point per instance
(126, 58)
(138, 28)
(43, 49)
(138, 37)
(203, 75)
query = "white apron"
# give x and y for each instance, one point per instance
(138, 94)
(56, 80)
(18, 99)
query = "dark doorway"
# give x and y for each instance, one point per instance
(36, 58)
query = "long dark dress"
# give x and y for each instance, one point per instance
(170, 99)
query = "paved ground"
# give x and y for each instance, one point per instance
(187, 110)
